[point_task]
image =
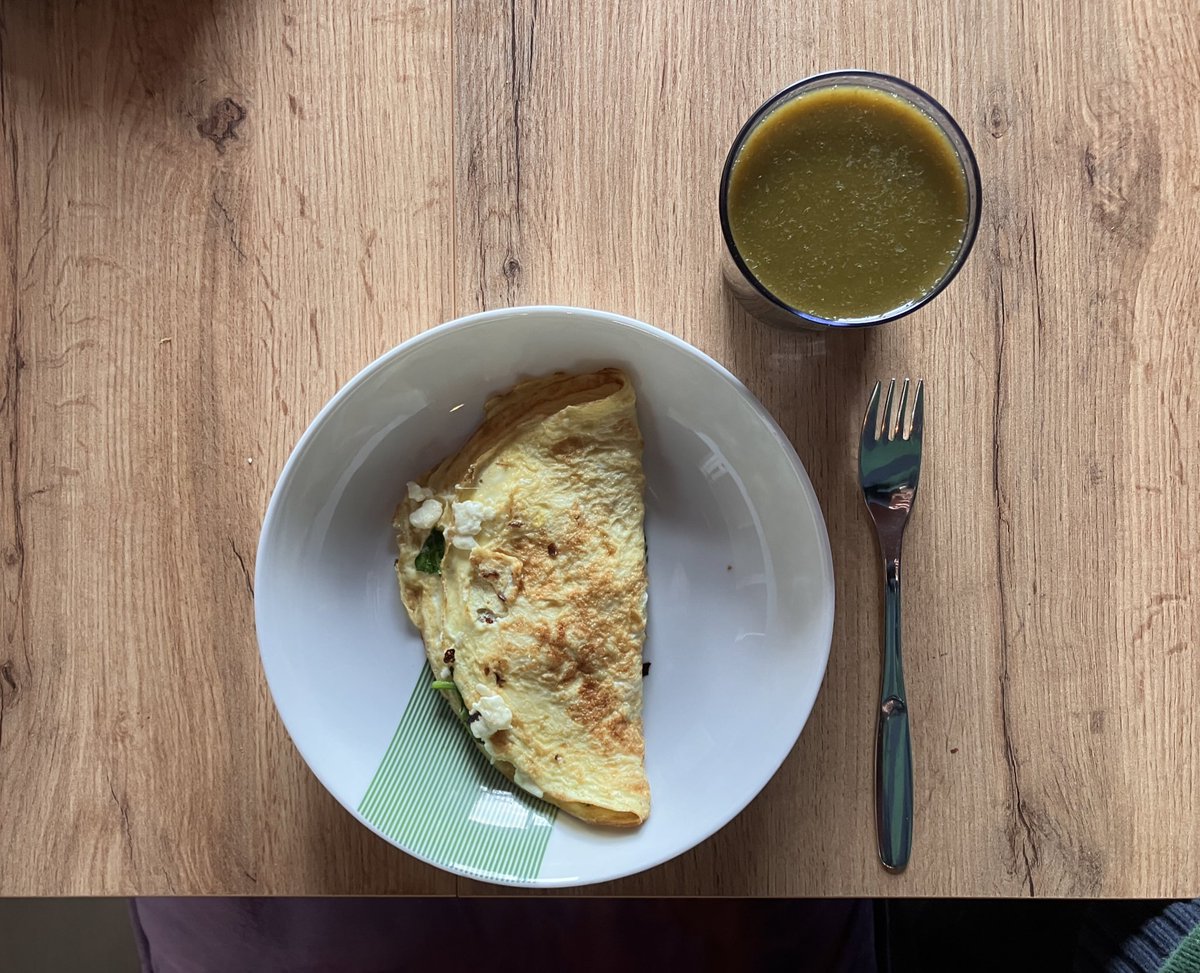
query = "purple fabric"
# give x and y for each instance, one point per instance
(345, 935)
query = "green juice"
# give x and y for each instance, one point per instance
(847, 203)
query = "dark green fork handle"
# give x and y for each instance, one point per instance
(893, 746)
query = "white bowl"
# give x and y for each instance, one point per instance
(740, 612)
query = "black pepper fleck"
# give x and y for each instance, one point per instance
(552, 549)
(645, 668)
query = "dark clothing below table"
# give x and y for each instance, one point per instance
(231, 935)
(1140, 937)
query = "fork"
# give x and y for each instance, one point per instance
(889, 467)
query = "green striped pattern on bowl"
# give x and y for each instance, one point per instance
(436, 796)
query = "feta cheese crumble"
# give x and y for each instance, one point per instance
(426, 515)
(494, 715)
(469, 516)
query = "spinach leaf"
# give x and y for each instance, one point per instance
(429, 559)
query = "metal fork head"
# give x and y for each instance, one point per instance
(889, 457)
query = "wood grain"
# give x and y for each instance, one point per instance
(590, 139)
(213, 213)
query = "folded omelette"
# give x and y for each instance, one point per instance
(523, 564)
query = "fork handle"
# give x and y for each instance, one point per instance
(893, 746)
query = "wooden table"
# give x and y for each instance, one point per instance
(213, 213)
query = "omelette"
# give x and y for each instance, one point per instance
(523, 564)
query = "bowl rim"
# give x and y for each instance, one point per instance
(917, 97)
(823, 624)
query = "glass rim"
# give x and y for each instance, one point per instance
(919, 99)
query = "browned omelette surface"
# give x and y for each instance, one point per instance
(538, 613)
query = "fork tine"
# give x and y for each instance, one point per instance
(901, 430)
(885, 431)
(871, 419)
(918, 419)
